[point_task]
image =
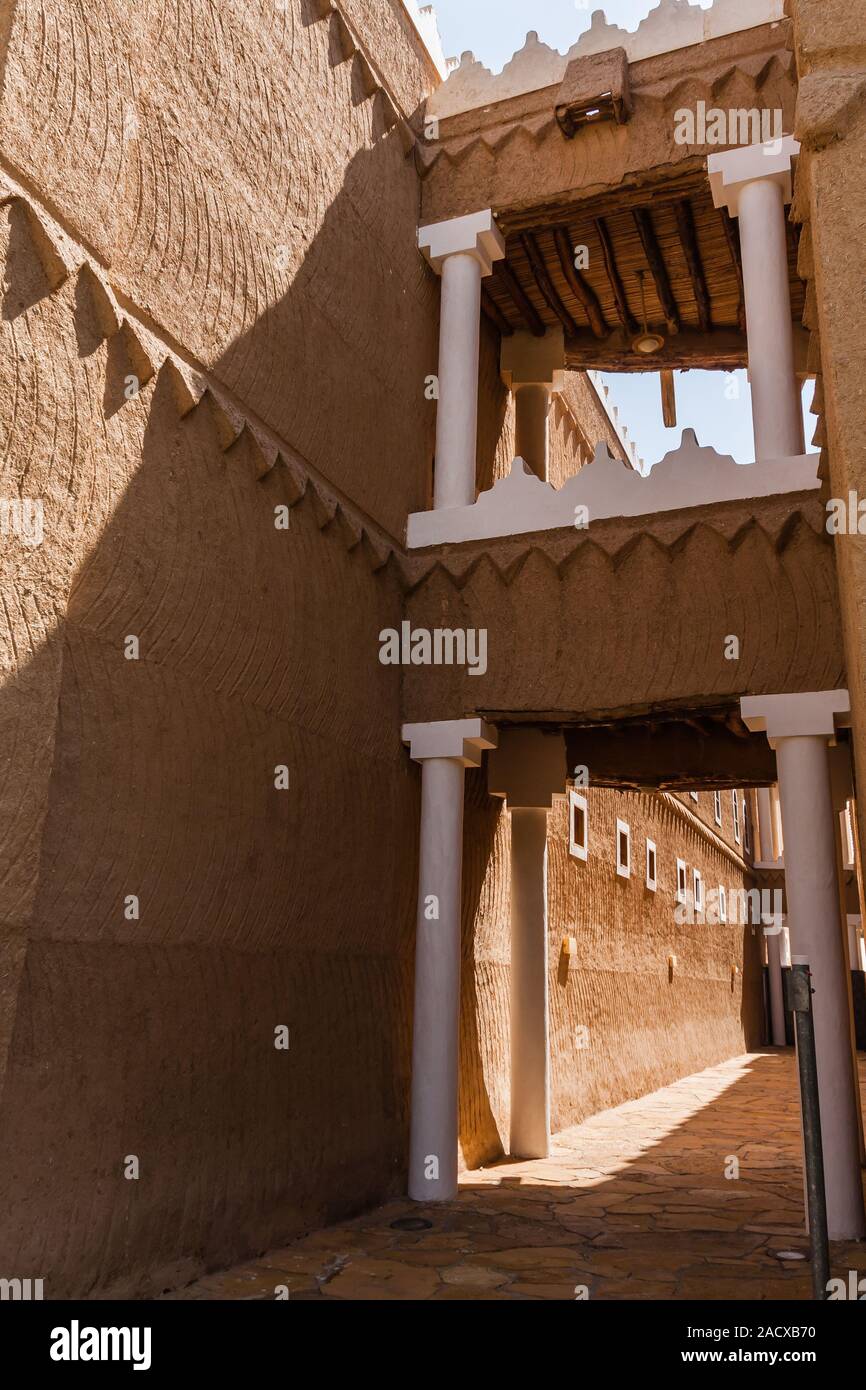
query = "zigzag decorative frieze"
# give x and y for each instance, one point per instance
(191, 388)
(672, 25)
(627, 620)
(740, 84)
(777, 525)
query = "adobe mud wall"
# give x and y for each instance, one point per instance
(620, 1025)
(829, 42)
(220, 189)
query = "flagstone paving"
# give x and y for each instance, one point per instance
(635, 1203)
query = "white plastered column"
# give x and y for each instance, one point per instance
(533, 369)
(799, 728)
(444, 749)
(754, 184)
(529, 768)
(774, 934)
(461, 250)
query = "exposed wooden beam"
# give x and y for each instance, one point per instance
(492, 311)
(722, 350)
(669, 399)
(660, 190)
(732, 237)
(688, 238)
(544, 282)
(656, 262)
(624, 313)
(678, 755)
(579, 287)
(524, 304)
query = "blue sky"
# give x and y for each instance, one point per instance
(493, 30)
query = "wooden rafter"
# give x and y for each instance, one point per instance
(544, 282)
(492, 311)
(732, 236)
(656, 262)
(579, 287)
(521, 299)
(624, 313)
(688, 238)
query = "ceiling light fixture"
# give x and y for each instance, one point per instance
(646, 343)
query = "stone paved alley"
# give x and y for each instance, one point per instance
(633, 1203)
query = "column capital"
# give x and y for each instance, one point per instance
(528, 768)
(474, 235)
(812, 714)
(463, 740)
(730, 171)
(529, 361)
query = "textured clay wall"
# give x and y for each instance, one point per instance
(830, 202)
(215, 201)
(619, 1025)
(238, 170)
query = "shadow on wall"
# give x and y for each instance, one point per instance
(167, 905)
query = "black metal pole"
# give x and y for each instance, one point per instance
(800, 992)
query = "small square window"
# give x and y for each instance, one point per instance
(717, 807)
(735, 803)
(723, 904)
(681, 880)
(578, 818)
(623, 849)
(651, 866)
(698, 889)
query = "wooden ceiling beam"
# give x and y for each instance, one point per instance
(624, 313)
(579, 287)
(492, 311)
(656, 263)
(724, 350)
(545, 284)
(732, 237)
(689, 240)
(524, 304)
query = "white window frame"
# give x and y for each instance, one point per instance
(747, 826)
(698, 890)
(652, 854)
(682, 870)
(735, 802)
(693, 795)
(723, 903)
(717, 807)
(847, 829)
(623, 870)
(576, 802)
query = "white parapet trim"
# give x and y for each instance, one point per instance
(690, 476)
(673, 24)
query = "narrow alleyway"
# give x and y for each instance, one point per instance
(634, 1203)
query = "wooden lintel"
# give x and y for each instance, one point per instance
(723, 350)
